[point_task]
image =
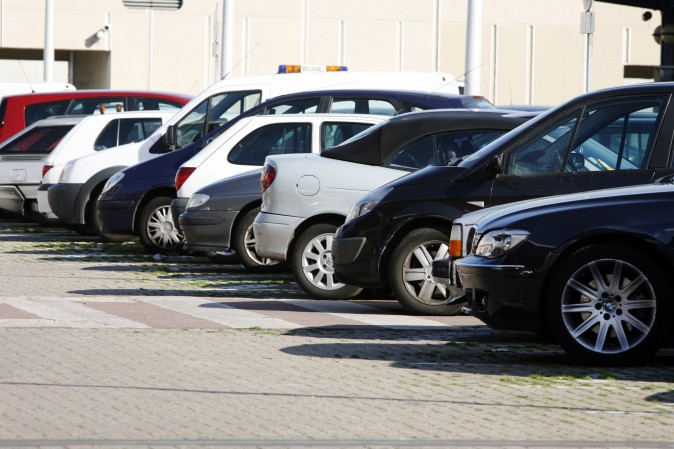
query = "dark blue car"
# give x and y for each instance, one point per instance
(136, 201)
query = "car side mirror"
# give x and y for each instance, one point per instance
(576, 160)
(170, 137)
(495, 166)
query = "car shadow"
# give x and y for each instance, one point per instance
(472, 350)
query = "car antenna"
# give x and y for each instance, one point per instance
(454, 79)
(26, 76)
(240, 61)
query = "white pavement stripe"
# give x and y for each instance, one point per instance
(364, 314)
(218, 312)
(68, 312)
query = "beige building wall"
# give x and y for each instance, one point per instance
(533, 52)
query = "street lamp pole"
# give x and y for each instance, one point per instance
(49, 41)
(473, 47)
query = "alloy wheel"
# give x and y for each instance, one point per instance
(417, 269)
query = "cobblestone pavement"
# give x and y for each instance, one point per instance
(102, 346)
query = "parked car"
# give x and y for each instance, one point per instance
(93, 133)
(589, 269)
(83, 180)
(608, 138)
(306, 197)
(246, 145)
(218, 221)
(120, 209)
(21, 160)
(22, 110)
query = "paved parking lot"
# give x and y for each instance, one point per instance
(104, 346)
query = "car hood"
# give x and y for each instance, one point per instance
(593, 199)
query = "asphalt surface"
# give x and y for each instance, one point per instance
(104, 346)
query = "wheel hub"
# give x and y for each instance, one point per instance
(328, 264)
(610, 306)
(167, 227)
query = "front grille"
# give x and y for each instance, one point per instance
(469, 241)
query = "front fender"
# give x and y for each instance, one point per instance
(90, 187)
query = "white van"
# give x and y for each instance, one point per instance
(73, 198)
(92, 134)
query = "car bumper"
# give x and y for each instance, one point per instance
(178, 206)
(117, 213)
(356, 256)
(63, 201)
(207, 230)
(444, 272)
(504, 296)
(273, 234)
(11, 199)
(43, 202)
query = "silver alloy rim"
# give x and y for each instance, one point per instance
(608, 306)
(249, 244)
(417, 277)
(162, 230)
(317, 263)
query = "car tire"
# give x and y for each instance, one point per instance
(223, 258)
(312, 266)
(589, 315)
(409, 273)
(244, 246)
(156, 229)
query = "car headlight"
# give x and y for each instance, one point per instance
(497, 243)
(367, 203)
(113, 181)
(197, 200)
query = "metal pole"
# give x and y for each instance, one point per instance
(474, 47)
(49, 41)
(227, 38)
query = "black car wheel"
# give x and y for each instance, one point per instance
(244, 245)
(410, 273)
(156, 229)
(312, 264)
(609, 305)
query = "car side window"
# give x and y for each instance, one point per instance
(334, 133)
(278, 138)
(440, 148)
(89, 106)
(35, 112)
(545, 151)
(303, 106)
(616, 134)
(108, 137)
(362, 106)
(156, 104)
(213, 113)
(136, 130)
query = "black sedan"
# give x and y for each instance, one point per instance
(609, 138)
(591, 270)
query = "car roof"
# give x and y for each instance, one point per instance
(93, 93)
(374, 144)
(390, 93)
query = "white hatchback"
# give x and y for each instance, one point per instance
(95, 133)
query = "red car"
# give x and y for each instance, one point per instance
(19, 111)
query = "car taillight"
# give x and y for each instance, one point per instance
(182, 175)
(45, 169)
(267, 177)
